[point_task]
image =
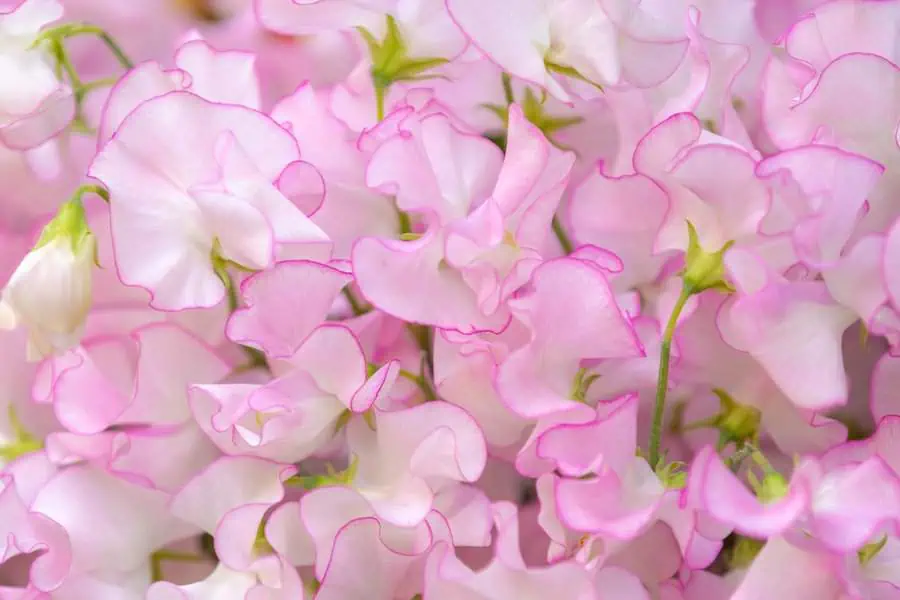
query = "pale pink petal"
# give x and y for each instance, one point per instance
(565, 329)
(288, 536)
(622, 215)
(853, 503)
(719, 492)
(410, 281)
(170, 360)
(435, 168)
(785, 570)
(145, 81)
(334, 358)
(885, 395)
(25, 532)
(773, 325)
(376, 388)
(608, 442)
(226, 77)
(108, 520)
(229, 499)
(273, 321)
(621, 507)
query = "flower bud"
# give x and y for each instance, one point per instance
(50, 291)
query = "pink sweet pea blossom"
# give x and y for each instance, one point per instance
(450, 300)
(220, 195)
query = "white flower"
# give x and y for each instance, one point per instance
(50, 292)
(34, 104)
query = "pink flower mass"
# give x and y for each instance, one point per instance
(450, 299)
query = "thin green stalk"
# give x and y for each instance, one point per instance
(96, 84)
(89, 188)
(561, 235)
(421, 382)
(115, 49)
(506, 80)
(662, 383)
(379, 102)
(734, 461)
(57, 34)
(355, 305)
(403, 221)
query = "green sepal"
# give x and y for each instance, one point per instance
(22, 443)
(534, 111)
(331, 477)
(569, 71)
(704, 270)
(773, 486)
(870, 551)
(673, 475)
(744, 552)
(70, 222)
(581, 385)
(391, 62)
(737, 423)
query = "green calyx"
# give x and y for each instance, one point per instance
(568, 71)
(870, 551)
(673, 475)
(70, 223)
(391, 62)
(773, 486)
(737, 423)
(261, 546)
(534, 109)
(743, 552)
(704, 270)
(331, 477)
(22, 443)
(581, 385)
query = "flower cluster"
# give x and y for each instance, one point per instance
(450, 299)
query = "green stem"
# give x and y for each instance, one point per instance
(709, 422)
(115, 49)
(96, 84)
(507, 88)
(734, 461)
(403, 221)
(662, 383)
(379, 102)
(75, 29)
(89, 188)
(561, 235)
(421, 382)
(355, 305)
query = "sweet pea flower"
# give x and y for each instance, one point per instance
(603, 45)
(842, 507)
(35, 104)
(50, 291)
(298, 413)
(487, 223)
(508, 575)
(425, 26)
(221, 202)
(542, 377)
(27, 531)
(440, 299)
